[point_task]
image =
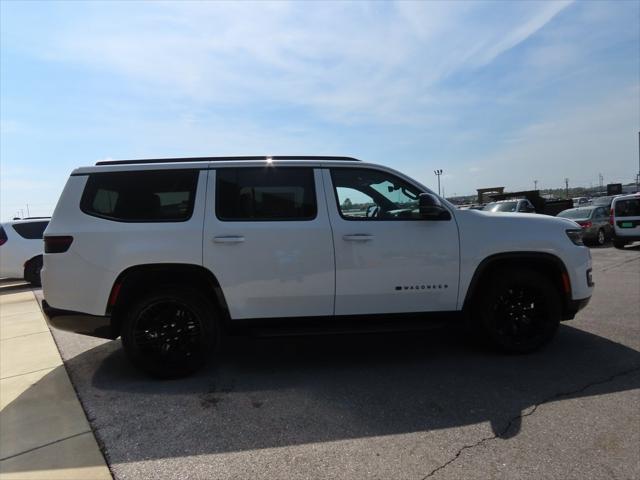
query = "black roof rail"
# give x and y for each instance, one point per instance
(224, 159)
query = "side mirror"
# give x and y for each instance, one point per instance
(431, 208)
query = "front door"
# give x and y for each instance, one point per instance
(268, 241)
(388, 259)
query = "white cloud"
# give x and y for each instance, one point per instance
(347, 61)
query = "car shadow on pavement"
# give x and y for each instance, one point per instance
(280, 392)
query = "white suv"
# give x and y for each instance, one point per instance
(625, 219)
(21, 249)
(169, 254)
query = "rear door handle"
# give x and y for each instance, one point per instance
(229, 239)
(358, 237)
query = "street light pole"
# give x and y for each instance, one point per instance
(438, 173)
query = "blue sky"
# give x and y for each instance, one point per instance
(494, 93)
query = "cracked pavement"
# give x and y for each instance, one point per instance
(411, 406)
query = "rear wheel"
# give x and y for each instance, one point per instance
(32, 271)
(170, 333)
(601, 238)
(619, 243)
(520, 311)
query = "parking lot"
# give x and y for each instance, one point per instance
(415, 406)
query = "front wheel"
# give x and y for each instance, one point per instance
(170, 333)
(520, 311)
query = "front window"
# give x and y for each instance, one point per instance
(364, 194)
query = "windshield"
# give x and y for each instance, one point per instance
(576, 213)
(501, 207)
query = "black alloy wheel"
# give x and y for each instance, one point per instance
(171, 333)
(521, 310)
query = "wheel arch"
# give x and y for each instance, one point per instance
(141, 279)
(543, 262)
(27, 263)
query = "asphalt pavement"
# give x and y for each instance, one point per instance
(409, 406)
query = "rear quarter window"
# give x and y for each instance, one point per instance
(30, 230)
(628, 208)
(141, 196)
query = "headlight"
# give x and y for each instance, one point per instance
(575, 235)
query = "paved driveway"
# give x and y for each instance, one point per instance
(384, 406)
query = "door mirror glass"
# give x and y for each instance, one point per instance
(431, 208)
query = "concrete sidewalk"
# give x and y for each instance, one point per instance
(43, 430)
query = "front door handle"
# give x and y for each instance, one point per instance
(229, 239)
(358, 237)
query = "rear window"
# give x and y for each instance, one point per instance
(141, 196)
(30, 230)
(576, 213)
(259, 194)
(628, 208)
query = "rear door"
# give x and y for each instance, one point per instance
(267, 239)
(627, 217)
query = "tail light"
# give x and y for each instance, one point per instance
(3, 241)
(611, 217)
(57, 244)
(585, 224)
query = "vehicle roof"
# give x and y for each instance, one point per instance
(585, 207)
(227, 159)
(27, 220)
(203, 163)
(630, 196)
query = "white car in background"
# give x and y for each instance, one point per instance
(625, 219)
(21, 249)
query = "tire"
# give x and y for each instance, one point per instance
(171, 332)
(32, 271)
(519, 312)
(619, 243)
(601, 238)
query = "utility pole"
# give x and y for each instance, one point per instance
(566, 187)
(601, 181)
(28, 215)
(535, 184)
(438, 173)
